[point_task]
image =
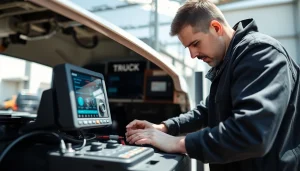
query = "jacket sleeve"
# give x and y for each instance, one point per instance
(187, 122)
(261, 87)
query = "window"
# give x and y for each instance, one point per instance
(22, 80)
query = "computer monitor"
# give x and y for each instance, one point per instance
(81, 98)
(159, 88)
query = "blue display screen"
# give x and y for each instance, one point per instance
(88, 92)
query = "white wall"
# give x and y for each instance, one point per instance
(39, 74)
(12, 68)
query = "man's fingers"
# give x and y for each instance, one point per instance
(135, 124)
(135, 138)
(143, 141)
(129, 138)
(135, 135)
(132, 131)
(131, 124)
(131, 134)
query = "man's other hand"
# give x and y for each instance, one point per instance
(138, 124)
(156, 138)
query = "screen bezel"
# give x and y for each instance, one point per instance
(66, 100)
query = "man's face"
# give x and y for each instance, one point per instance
(209, 47)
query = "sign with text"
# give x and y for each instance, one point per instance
(126, 67)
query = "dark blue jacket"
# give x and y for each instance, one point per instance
(251, 119)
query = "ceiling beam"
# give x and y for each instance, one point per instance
(102, 8)
(129, 27)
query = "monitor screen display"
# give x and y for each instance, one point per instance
(158, 86)
(89, 96)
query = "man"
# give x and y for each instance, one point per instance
(250, 118)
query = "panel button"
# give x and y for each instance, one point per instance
(90, 122)
(97, 122)
(80, 122)
(94, 121)
(85, 122)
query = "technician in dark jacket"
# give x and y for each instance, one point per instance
(250, 120)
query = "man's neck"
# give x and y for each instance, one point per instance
(229, 33)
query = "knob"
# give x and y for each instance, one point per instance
(112, 144)
(102, 107)
(96, 146)
(69, 148)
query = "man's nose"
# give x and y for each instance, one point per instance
(193, 53)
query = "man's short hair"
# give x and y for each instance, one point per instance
(198, 14)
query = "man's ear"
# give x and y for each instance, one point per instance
(217, 27)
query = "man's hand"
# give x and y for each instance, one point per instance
(156, 138)
(138, 124)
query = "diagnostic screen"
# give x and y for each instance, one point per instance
(158, 86)
(90, 98)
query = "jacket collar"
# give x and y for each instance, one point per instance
(242, 28)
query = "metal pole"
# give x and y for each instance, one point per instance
(198, 87)
(199, 97)
(297, 28)
(156, 26)
(27, 74)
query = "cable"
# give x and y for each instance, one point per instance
(92, 135)
(69, 138)
(112, 137)
(62, 144)
(84, 142)
(94, 39)
(82, 146)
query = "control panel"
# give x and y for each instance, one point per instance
(109, 152)
(110, 156)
